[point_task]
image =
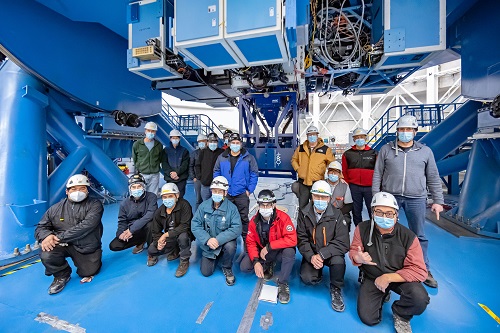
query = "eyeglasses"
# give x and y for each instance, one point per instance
(380, 213)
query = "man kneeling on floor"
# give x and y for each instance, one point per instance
(271, 238)
(71, 228)
(390, 258)
(323, 238)
(135, 216)
(171, 229)
(216, 225)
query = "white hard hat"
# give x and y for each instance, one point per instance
(407, 121)
(335, 165)
(201, 137)
(77, 180)
(312, 129)
(169, 188)
(220, 182)
(151, 126)
(175, 132)
(384, 199)
(359, 131)
(321, 187)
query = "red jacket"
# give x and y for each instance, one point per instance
(282, 234)
(358, 165)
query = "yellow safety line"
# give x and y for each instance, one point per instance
(19, 268)
(491, 313)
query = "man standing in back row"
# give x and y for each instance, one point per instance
(405, 169)
(147, 155)
(175, 163)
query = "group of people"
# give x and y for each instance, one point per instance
(390, 256)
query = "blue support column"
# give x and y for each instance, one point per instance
(23, 160)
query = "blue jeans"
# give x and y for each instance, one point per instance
(225, 258)
(360, 193)
(415, 214)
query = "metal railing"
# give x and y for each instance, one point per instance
(428, 115)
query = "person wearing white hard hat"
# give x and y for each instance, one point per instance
(390, 258)
(341, 194)
(71, 228)
(147, 155)
(310, 160)
(204, 166)
(202, 141)
(358, 164)
(216, 226)
(407, 169)
(323, 240)
(171, 230)
(175, 162)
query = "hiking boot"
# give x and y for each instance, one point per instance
(138, 249)
(337, 299)
(152, 261)
(431, 281)
(401, 325)
(228, 273)
(269, 272)
(173, 255)
(58, 284)
(387, 297)
(283, 293)
(183, 268)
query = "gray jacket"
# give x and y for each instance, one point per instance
(409, 174)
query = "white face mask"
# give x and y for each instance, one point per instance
(266, 212)
(77, 196)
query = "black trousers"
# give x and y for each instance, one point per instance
(413, 301)
(56, 264)
(285, 256)
(242, 202)
(182, 188)
(312, 276)
(181, 243)
(141, 236)
(304, 195)
(360, 193)
(226, 257)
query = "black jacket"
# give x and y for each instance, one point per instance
(193, 157)
(181, 216)
(329, 237)
(204, 166)
(175, 159)
(134, 215)
(76, 223)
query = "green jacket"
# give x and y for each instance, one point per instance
(147, 161)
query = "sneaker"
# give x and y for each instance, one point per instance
(138, 249)
(228, 273)
(387, 297)
(431, 281)
(173, 255)
(283, 293)
(183, 268)
(269, 272)
(337, 299)
(58, 284)
(401, 325)
(152, 261)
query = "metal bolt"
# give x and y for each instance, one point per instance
(16, 251)
(27, 248)
(36, 246)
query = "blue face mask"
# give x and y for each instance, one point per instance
(405, 136)
(360, 142)
(169, 203)
(333, 178)
(150, 136)
(226, 141)
(217, 197)
(312, 138)
(235, 147)
(175, 142)
(202, 145)
(137, 193)
(320, 204)
(384, 222)
(212, 146)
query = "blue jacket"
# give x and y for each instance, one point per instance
(245, 174)
(223, 223)
(175, 159)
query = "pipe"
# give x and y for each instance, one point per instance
(453, 164)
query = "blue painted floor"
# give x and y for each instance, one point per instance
(128, 296)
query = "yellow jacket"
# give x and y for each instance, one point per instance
(312, 166)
